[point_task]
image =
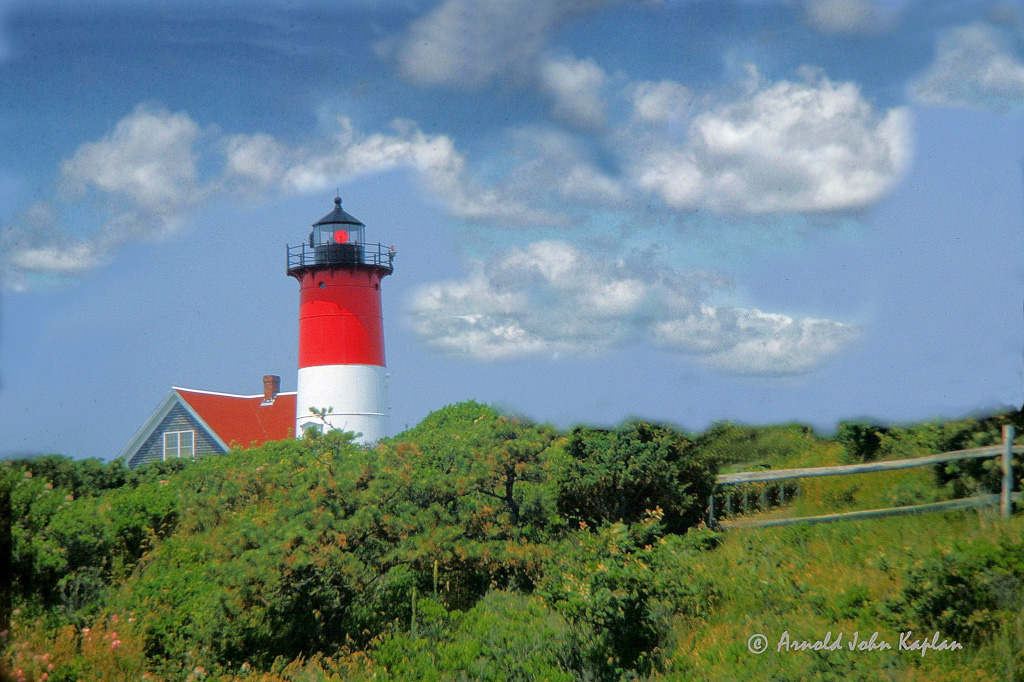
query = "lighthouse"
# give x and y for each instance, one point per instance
(341, 331)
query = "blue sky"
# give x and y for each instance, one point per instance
(685, 211)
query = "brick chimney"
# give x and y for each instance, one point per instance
(271, 387)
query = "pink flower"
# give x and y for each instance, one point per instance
(44, 677)
(86, 631)
(116, 643)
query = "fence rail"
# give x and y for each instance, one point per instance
(1004, 498)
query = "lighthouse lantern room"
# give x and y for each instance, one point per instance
(341, 331)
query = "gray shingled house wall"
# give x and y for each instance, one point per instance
(178, 419)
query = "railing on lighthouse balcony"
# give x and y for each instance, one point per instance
(303, 256)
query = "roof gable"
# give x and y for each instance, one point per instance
(242, 420)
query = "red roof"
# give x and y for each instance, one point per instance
(241, 419)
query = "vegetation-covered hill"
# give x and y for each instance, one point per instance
(479, 546)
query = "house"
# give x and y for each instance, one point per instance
(190, 423)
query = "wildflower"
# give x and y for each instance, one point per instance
(28, 474)
(116, 643)
(86, 631)
(15, 612)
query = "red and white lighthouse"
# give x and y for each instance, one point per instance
(341, 331)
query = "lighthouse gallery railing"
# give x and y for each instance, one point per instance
(303, 255)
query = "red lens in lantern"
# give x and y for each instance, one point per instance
(341, 236)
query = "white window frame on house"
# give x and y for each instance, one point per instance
(174, 447)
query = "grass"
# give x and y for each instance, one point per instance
(810, 580)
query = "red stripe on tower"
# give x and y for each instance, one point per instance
(341, 329)
(340, 322)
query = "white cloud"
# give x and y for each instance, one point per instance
(62, 258)
(974, 67)
(783, 147)
(34, 245)
(263, 162)
(258, 160)
(149, 160)
(558, 170)
(466, 43)
(144, 172)
(845, 16)
(747, 341)
(575, 87)
(660, 102)
(550, 298)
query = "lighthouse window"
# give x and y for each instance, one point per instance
(323, 284)
(179, 444)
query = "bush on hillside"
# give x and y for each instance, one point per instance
(965, 593)
(861, 439)
(608, 476)
(506, 637)
(727, 442)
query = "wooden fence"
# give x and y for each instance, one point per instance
(1005, 498)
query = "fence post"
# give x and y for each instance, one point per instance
(711, 508)
(1006, 498)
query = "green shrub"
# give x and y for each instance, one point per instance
(506, 637)
(621, 475)
(862, 440)
(621, 593)
(966, 592)
(727, 442)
